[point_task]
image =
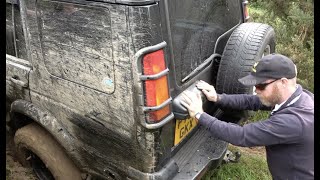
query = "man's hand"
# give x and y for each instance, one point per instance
(207, 90)
(192, 101)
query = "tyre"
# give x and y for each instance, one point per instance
(42, 152)
(247, 44)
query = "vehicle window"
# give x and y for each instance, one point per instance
(9, 31)
(196, 26)
(15, 40)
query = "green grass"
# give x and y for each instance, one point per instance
(258, 116)
(249, 167)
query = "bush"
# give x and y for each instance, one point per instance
(294, 27)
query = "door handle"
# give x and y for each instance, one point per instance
(18, 82)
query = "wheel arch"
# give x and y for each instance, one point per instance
(23, 112)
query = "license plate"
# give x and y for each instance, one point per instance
(183, 128)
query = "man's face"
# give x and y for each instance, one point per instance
(271, 95)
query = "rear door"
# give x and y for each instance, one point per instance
(197, 29)
(17, 65)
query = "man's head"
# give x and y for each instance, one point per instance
(274, 78)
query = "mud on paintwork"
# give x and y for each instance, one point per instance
(44, 118)
(82, 83)
(102, 120)
(17, 78)
(76, 43)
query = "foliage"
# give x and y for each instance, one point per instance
(258, 116)
(294, 27)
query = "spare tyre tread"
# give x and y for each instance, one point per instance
(243, 45)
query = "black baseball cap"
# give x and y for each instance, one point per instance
(272, 66)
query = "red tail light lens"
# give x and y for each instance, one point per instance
(156, 91)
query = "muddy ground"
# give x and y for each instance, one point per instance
(14, 170)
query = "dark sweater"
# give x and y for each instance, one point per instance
(288, 134)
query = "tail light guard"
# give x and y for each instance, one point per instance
(158, 101)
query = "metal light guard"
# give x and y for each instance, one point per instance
(141, 78)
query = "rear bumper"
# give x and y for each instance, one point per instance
(201, 152)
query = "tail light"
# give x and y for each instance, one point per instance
(156, 88)
(245, 11)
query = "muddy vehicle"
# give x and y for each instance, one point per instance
(93, 87)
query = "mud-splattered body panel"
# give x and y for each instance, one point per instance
(76, 44)
(83, 76)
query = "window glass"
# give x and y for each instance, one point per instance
(15, 40)
(9, 31)
(196, 26)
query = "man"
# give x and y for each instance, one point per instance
(288, 134)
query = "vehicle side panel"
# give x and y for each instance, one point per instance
(17, 72)
(102, 123)
(76, 43)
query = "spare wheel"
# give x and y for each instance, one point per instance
(246, 45)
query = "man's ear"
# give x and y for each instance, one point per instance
(284, 82)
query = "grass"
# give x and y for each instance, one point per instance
(258, 116)
(251, 166)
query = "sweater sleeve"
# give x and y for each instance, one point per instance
(241, 102)
(278, 129)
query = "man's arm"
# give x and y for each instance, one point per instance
(281, 128)
(278, 129)
(240, 102)
(236, 101)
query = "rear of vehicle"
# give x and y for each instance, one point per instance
(183, 44)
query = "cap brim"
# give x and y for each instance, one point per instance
(251, 80)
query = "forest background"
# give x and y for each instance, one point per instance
(293, 22)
